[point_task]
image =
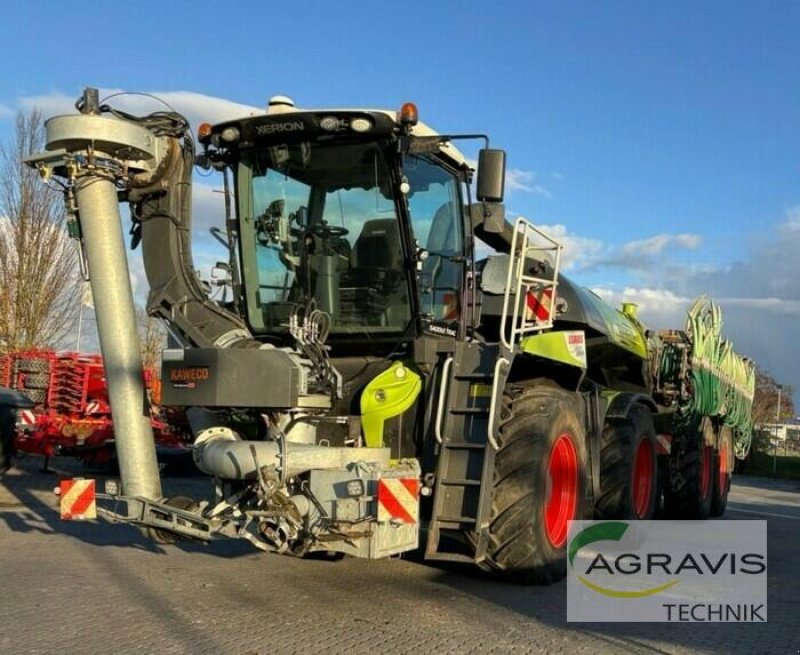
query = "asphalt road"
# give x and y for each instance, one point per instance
(73, 587)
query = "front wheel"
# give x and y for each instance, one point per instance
(539, 484)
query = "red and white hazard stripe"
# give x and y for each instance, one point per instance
(398, 500)
(26, 419)
(93, 408)
(663, 444)
(539, 304)
(78, 499)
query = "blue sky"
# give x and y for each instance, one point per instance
(660, 141)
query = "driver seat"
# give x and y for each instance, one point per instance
(377, 250)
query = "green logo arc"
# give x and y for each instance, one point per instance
(607, 531)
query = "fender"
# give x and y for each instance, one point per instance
(618, 403)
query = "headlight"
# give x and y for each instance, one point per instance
(329, 123)
(230, 134)
(360, 125)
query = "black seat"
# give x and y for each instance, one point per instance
(377, 258)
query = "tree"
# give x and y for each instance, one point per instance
(153, 338)
(38, 261)
(765, 400)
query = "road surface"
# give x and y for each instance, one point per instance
(72, 587)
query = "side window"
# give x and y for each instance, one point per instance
(434, 204)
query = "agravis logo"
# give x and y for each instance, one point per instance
(608, 531)
(666, 570)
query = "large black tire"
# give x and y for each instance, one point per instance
(541, 445)
(691, 474)
(628, 470)
(723, 459)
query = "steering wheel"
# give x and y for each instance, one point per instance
(325, 231)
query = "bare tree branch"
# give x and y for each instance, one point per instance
(38, 261)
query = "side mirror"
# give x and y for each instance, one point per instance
(491, 175)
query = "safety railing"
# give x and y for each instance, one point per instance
(529, 299)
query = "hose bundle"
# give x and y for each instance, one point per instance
(700, 371)
(723, 383)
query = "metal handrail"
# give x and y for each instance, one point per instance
(493, 402)
(443, 387)
(518, 283)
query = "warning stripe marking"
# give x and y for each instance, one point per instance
(26, 417)
(663, 444)
(538, 304)
(78, 499)
(398, 500)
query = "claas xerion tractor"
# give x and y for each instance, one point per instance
(368, 378)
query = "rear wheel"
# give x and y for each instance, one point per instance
(628, 470)
(539, 484)
(723, 472)
(692, 474)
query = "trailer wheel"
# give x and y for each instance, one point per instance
(628, 469)
(692, 474)
(723, 472)
(539, 485)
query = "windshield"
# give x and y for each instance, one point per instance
(319, 229)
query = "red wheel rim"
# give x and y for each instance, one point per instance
(643, 482)
(705, 471)
(562, 490)
(724, 467)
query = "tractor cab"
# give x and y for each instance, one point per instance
(355, 216)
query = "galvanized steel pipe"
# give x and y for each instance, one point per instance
(96, 197)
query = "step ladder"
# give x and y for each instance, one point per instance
(472, 379)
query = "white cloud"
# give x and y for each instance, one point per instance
(656, 244)
(6, 111)
(519, 180)
(658, 308)
(577, 249)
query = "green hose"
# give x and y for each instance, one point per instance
(721, 383)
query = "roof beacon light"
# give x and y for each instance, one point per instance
(408, 114)
(203, 132)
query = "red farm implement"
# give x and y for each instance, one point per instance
(72, 415)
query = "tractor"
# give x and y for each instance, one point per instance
(394, 365)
